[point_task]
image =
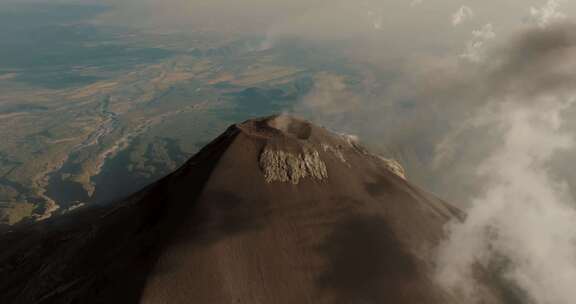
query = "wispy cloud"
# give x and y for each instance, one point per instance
(462, 15)
(548, 13)
(475, 47)
(377, 19)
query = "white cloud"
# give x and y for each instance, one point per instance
(462, 15)
(547, 14)
(474, 51)
(524, 215)
(523, 221)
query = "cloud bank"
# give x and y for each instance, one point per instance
(523, 221)
(548, 13)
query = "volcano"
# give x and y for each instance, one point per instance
(275, 210)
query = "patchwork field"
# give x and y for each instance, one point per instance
(103, 111)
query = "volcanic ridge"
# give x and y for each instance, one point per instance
(275, 210)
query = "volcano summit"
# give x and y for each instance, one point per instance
(275, 210)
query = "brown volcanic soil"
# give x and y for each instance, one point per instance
(219, 231)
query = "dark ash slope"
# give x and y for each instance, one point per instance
(275, 210)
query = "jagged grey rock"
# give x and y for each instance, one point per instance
(281, 166)
(394, 166)
(336, 151)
